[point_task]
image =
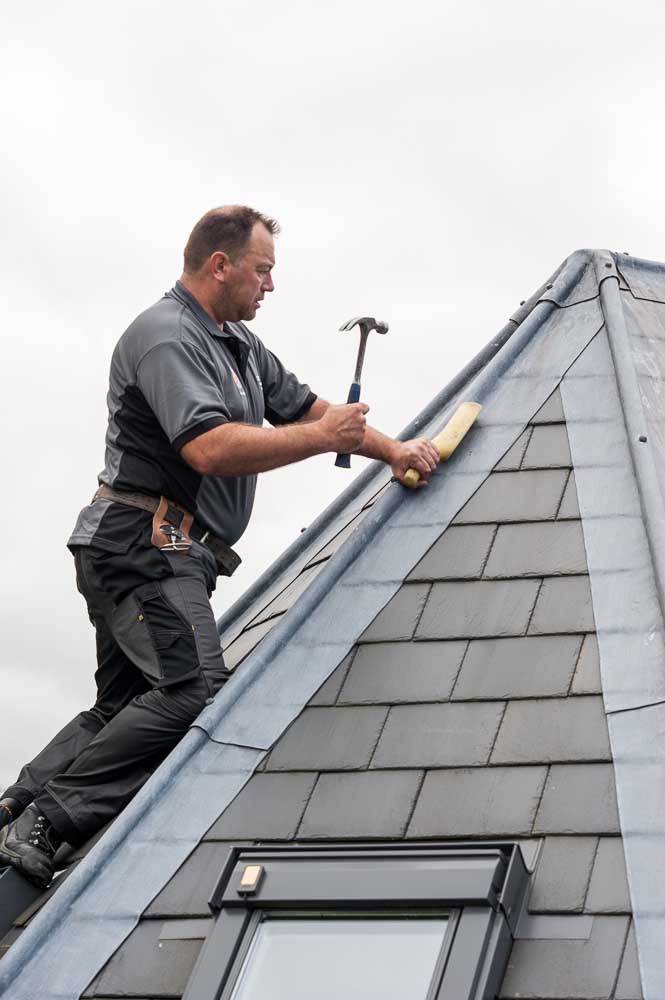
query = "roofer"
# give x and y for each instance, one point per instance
(190, 386)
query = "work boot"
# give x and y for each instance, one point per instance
(10, 809)
(29, 844)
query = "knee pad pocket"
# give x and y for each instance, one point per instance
(172, 636)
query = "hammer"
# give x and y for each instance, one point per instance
(366, 324)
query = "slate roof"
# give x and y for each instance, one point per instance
(481, 659)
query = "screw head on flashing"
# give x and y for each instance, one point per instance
(607, 264)
(642, 438)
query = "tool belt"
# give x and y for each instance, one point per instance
(173, 527)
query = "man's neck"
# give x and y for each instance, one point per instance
(202, 296)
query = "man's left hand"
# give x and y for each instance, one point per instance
(419, 454)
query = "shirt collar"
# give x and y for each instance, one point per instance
(183, 295)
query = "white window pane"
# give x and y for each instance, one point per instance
(341, 959)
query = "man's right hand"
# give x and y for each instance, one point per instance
(344, 427)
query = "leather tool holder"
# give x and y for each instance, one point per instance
(170, 528)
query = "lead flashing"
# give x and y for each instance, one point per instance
(623, 517)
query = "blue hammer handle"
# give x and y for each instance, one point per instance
(344, 461)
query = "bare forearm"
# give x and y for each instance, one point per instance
(242, 449)
(419, 453)
(234, 449)
(378, 445)
(375, 445)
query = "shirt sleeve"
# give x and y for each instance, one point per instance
(181, 388)
(286, 398)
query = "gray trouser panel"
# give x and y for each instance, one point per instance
(158, 660)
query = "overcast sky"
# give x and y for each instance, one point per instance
(431, 163)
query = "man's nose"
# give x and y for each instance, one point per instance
(268, 284)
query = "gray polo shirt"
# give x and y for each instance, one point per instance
(174, 375)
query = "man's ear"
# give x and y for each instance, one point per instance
(218, 265)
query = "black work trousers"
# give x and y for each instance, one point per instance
(159, 661)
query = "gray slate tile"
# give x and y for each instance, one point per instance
(268, 807)
(400, 615)
(339, 539)
(145, 966)
(478, 802)
(564, 605)
(483, 608)
(545, 548)
(608, 889)
(515, 496)
(188, 892)
(551, 412)
(290, 594)
(545, 730)
(329, 691)
(570, 507)
(579, 798)
(548, 448)
(328, 739)
(246, 642)
(629, 985)
(524, 667)
(459, 554)
(451, 735)
(512, 460)
(576, 970)
(563, 875)
(402, 671)
(362, 804)
(587, 672)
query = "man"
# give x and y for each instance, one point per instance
(190, 386)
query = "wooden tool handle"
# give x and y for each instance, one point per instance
(447, 440)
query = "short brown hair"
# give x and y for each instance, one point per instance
(227, 228)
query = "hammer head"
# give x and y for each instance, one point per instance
(366, 324)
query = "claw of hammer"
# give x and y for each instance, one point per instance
(366, 324)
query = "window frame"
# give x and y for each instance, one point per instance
(480, 887)
(260, 914)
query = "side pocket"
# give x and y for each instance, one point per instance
(130, 630)
(172, 636)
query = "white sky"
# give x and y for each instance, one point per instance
(431, 164)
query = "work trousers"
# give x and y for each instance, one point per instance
(159, 661)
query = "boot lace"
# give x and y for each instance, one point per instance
(38, 835)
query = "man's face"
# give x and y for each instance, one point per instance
(248, 280)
